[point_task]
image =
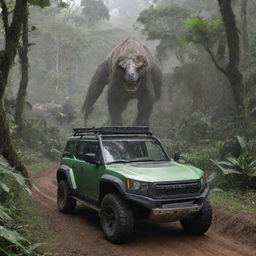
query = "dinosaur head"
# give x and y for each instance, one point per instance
(131, 71)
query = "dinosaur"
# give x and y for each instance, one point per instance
(130, 71)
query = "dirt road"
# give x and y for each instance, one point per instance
(80, 233)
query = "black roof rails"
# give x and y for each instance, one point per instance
(112, 130)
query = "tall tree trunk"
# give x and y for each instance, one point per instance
(245, 40)
(23, 55)
(232, 71)
(12, 35)
(8, 149)
(57, 68)
(221, 50)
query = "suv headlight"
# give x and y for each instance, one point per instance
(137, 186)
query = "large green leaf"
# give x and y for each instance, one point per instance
(252, 172)
(224, 163)
(19, 178)
(245, 164)
(11, 236)
(3, 166)
(4, 187)
(242, 143)
(224, 170)
(33, 247)
(252, 164)
(3, 214)
(4, 252)
(233, 161)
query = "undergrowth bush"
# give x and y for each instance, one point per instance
(197, 155)
(12, 240)
(39, 134)
(39, 138)
(239, 171)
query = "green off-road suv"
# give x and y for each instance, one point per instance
(125, 174)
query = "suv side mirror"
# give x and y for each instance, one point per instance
(176, 156)
(90, 158)
(67, 154)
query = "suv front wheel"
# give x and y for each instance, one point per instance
(199, 223)
(116, 217)
(66, 204)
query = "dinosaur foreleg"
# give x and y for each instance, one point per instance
(116, 106)
(97, 84)
(145, 107)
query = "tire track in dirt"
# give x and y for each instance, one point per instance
(80, 234)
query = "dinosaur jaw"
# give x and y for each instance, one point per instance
(132, 87)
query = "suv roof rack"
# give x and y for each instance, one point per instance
(112, 130)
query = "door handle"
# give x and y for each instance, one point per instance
(81, 169)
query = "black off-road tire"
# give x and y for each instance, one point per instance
(117, 219)
(66, 204)
(200, 222)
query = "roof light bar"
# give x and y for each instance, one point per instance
(113, 130)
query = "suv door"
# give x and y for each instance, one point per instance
(69, 152)
(87, 173)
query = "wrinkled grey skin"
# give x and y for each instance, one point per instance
(131, 72)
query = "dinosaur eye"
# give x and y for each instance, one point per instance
(140, 67)
(121, 68)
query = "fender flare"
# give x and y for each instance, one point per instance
(118, 183)
(68, 173)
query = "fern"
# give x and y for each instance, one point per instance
(5, 170)
(245, 164)
(11, 241)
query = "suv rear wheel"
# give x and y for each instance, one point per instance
(116, 217)
(66, 204)
(199, 223)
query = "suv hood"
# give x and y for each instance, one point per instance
(156, 171)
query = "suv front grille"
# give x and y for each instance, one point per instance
(165, 190)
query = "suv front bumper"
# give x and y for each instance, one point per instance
(174, 212)
(152, 203)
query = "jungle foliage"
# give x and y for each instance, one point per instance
(242, 163)
(94, 11)
(208, 106)
(209, 86)
(12, 239)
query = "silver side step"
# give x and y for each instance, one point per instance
(90, 205)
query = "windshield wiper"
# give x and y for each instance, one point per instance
(120, 161)
(149, 160)
(134, 161)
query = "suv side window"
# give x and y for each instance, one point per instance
(71, 147)
(84, 147)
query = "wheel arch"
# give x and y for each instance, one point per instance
(66, 173)
(110, 184)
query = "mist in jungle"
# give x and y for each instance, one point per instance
(203, 110)
(68, 41)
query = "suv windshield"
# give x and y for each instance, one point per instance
(133, 150)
